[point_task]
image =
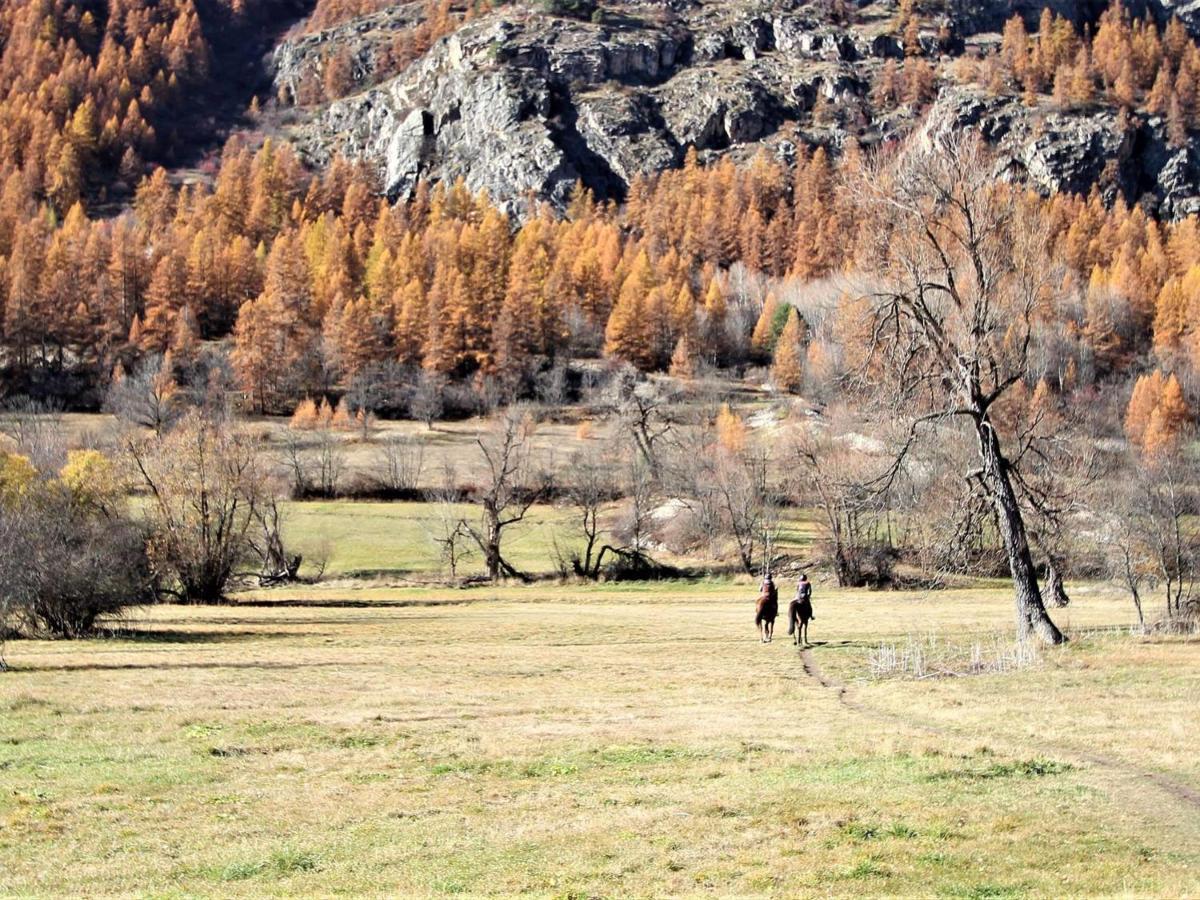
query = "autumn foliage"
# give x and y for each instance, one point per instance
(285, 284)
(1158, 415)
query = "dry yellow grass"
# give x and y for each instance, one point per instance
(591, 742)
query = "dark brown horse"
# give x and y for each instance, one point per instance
(800, 613)
(766, 610)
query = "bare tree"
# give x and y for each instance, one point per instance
(1121, 534)
(450, 534)
(400, 460)
(278, 564)
(551, 385)
(428, 399)
(591, 488)
(36, 431)
(293, 459)
(512, 485)
(203, 484)
(645, 412)
(962, 276)
(330, 462)
(67, 563)
(1151, 531)
(1053, 465)
(940, 517)
(636, 520)
(315, 467)
(148, 397)
(738, 500)
(831, 472)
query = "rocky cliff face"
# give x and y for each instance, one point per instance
(521, 102)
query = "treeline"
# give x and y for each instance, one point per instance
(308, 280)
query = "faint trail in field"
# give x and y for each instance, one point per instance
(844, 697)
(1182, 793)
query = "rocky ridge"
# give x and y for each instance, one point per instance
(521, 102)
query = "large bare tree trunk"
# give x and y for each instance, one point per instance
(1032, 619)
(491, 550)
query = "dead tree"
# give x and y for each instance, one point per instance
(590, 489)
(203, 485)
(1122, 529)
(512, 485)
(636, 518)
(645, 412)
(961, 277)
(450, 534)
(828, 472)
(315, 466)
(400, 461)
(738, 500)
(1156, 509)
(1053, 470)
(36, 430)
(277, 564)
(148, 397)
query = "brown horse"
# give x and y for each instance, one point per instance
(800, 613)
(766, 610)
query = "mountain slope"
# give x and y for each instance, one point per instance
(520, 100)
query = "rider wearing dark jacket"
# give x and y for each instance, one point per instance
(801, 608)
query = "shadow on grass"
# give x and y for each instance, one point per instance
(344, 604)
(163, 667)
(301, 626)
(178, 636)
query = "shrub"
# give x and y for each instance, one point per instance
(92, 566)
(68, 559)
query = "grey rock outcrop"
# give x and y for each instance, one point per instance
(1057, 151)
(365, 39)
(519, 102)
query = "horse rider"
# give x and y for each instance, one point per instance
(800, 610)
(767, 608)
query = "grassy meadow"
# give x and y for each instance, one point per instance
(380, 732)
(369, 541)
(575, 741)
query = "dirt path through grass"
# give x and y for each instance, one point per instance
(1181, 793)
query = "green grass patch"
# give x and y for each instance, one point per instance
(868, 831)
(985, 891)
(282, 863)
(560, 766)
(1028, 768)
(865, 869)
